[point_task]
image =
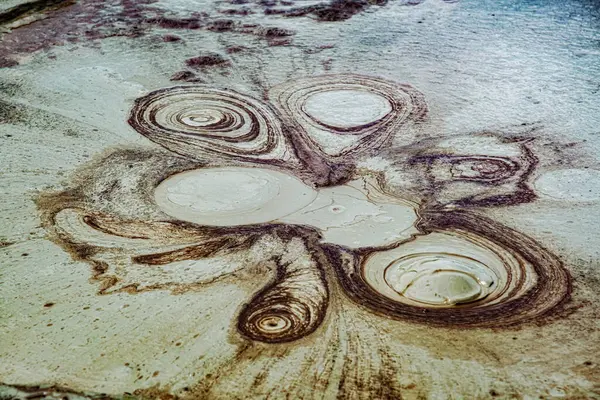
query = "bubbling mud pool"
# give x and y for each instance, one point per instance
(278, 184)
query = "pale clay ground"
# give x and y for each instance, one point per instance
(532, 62)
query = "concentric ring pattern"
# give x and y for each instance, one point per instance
(348, 114)
(190, 120)
(465, 271)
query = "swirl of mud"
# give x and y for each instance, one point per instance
(190, 120)
(289, 309)
(347, 114)
(482, 169)
(477, 170)
(465, 271)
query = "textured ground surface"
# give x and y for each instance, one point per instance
(300, 199)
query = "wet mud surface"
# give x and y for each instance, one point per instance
(281, 199)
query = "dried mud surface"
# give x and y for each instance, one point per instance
(282, 199)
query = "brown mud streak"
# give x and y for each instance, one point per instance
(323, 172)
(207, 60)
(186, 76)
(195, 252)
(553, 286)
(335, 10)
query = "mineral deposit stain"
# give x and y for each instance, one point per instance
(186, 76)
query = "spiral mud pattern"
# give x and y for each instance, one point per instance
(481, 169)
(190, 120)
(498, 277)
(348, 114)
(293, 306)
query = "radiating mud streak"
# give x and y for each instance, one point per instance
(550, 289)
(290, 308)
